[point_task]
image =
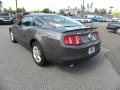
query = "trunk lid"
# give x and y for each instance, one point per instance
(87, 34)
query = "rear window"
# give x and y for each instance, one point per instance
(4, 14)
(61, 21)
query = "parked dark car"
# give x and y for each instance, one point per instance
(114, 27)
(56, 38)
(5, 18)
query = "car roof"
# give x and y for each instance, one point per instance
(3, 12)
(40, 14)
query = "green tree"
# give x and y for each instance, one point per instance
(10, 10)
(101, 11)
(61, 11)
(36, 11)
(46, 10)
(117, 14)
(53, 12)
(5, 10)
(18, 10)
(110, 11)
(21, 10)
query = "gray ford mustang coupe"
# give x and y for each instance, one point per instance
(55, 38)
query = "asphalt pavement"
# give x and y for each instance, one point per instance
(111, 42)
(19, 72)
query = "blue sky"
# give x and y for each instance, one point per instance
(58, 4)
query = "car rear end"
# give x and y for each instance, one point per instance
(78, 44)
(5, 18)
(70, 40)
(112, 27)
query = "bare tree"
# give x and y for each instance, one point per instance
(111, 7)
(91, 6)
(88, 7)
(96, 11)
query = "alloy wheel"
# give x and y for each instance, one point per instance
(11, 36)
(36, 54)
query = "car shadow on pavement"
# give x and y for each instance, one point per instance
(113, 33)
(2, 87)
(84, 66)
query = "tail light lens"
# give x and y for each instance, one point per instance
(72, 40)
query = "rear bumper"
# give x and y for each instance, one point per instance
(75, 53)
(5, 21)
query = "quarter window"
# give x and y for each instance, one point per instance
(37, 22)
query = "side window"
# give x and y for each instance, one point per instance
(27, 21)
(37, 22)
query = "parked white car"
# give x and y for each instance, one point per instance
(114, 19)
(84, 20)
(89, 20)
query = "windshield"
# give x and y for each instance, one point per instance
(61, 21)
(4, 14)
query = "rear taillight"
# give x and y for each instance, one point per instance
(98, 34)
(72, 40)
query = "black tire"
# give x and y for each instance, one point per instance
(43, 60)
(12, 38)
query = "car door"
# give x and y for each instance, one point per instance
(23, 27)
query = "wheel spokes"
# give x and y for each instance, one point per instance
(36, 54)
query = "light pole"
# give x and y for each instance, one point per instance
(83, 9)
(16, 7)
